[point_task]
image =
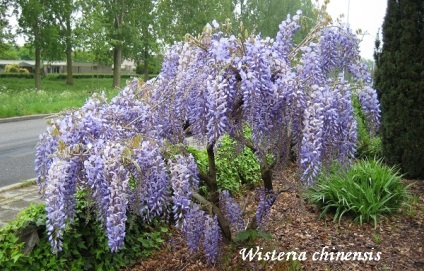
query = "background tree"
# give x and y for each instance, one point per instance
(7, 46)
(399, 81)
(26, 52)
(92, 42)
(64, 14)
(8, 51)
(178, 17)
(116, 27)
(4, 24)
(145, 49)
(264, 16)
(34, 19)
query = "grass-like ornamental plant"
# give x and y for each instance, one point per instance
(366, 191)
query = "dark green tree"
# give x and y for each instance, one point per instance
(399, 79)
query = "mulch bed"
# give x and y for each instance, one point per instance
(296, 227)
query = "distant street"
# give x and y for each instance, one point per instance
(17, 149)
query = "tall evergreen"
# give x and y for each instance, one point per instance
(399, 80)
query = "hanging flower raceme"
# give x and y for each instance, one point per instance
(231, 211)
(184, 180)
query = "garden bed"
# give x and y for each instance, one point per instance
(295, 226)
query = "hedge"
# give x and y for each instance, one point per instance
(62, 76)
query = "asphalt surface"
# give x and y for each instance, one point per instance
(18, 139)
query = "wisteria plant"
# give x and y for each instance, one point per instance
(218, 84)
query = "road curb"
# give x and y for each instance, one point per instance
(18, 185)
(29, 117)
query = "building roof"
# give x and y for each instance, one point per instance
(22, 63)
(31, 63)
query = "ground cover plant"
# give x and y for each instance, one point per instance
(25, 245)
(366, 191)
(124, 153)
(18, 97)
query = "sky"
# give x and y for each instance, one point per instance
(367, 15)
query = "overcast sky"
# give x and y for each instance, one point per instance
(367, 15)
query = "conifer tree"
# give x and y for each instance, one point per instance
(400, 85)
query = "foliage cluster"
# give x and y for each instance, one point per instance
(85, 244)
(399, 82)
(236, 165)
(366, 191)
(368, 146)
(16, 52)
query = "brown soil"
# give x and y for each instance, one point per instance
(295, 227)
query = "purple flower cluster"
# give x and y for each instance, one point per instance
(266, 200)
(258, 89)
(211, 239)
(329, 130)
(152, 192)
(231, 211)
(329, 126)
(201, 229)
(60, 200)
(371, 108)
(116, 199)
(283, 41)
(100, 148)
(184, 180)
(193, 227)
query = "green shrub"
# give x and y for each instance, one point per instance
(367, 146)
(62, 76)
(366, 191)
(13, 68)
(236, 166)
(84, 243)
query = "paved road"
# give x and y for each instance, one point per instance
(17, 149)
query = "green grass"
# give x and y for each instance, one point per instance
(18, 96)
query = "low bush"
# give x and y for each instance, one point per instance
(368, 146)
(14, 68)
(84, 243)
(62, 76)
(366, 191)
(235, 165)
